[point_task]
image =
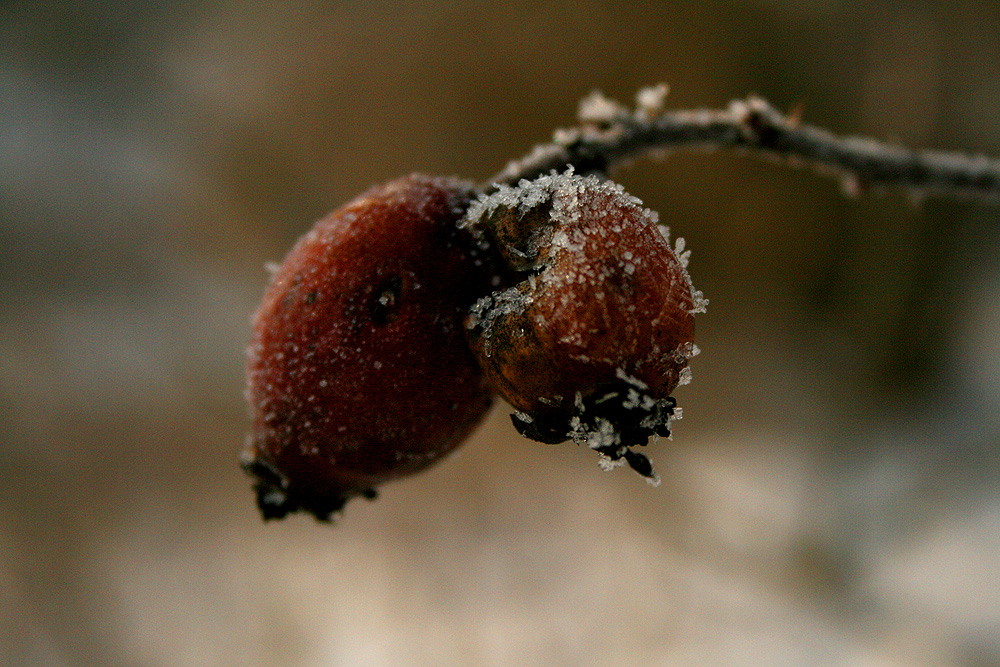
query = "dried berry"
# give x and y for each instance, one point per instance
(359, 371)
(597, 333)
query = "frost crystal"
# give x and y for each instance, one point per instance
(650, 100)
(621, 374)
(683, 256)
(607, 464)
(487, 310)
(596, 108)
(700, 303)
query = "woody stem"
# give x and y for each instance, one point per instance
(610, 134)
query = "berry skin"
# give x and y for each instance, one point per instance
(358, 370)
(592, 341)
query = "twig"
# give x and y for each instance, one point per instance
(610, 134)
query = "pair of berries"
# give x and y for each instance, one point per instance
(385, 332)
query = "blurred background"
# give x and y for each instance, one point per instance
(831, 497)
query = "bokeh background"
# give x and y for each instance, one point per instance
(831, 497)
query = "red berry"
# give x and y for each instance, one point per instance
(597, 335)
(359, 371)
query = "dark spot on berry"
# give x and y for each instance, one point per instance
(384, 304)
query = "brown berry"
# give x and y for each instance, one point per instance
(591, 342)
(358, 370)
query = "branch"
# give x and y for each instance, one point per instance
(610, 134)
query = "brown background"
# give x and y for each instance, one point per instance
(831, 497)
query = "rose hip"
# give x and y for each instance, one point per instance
(358, 369)
(594, 337)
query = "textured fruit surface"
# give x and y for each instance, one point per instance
(359, 371)
(597, 334)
